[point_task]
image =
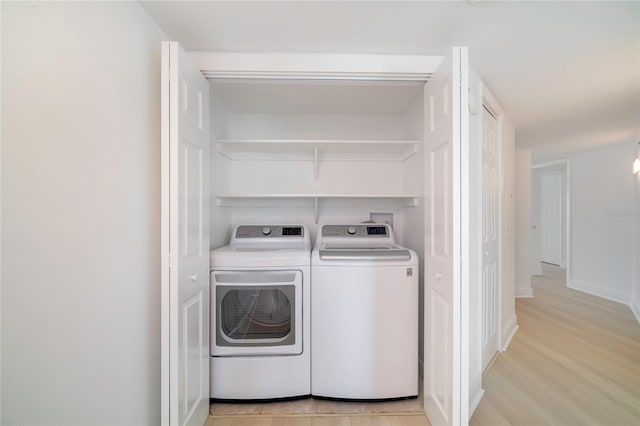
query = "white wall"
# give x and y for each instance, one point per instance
(635, 298)
(523, 223)
(80, 214)
(602, 252)
(509, 319)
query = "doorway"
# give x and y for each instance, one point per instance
(550, 220)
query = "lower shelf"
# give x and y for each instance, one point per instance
(315, 201)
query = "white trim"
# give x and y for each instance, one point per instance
(635, 284)
(510, 330)
(567, 246)
(599, 291)
(475, 402)
(524, 292)
(461, 262)
(635, 312)
(165, 384)
(315, 65)
(492, 104)
(0, 227)
(549, 163)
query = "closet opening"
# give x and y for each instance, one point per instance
(312, 152)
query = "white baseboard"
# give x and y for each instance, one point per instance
(524, 292)
(600, 291)
(475, 401)
(636, 311)
(509, 330)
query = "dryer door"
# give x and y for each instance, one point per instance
(256, 313)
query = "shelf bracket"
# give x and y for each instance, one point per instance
(315, 165)
(315, 206)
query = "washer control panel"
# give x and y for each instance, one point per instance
(269, 231)
(364, 230)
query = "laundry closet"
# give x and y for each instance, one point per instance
(316, 151)
(310, 149)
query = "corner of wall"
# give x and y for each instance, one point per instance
(523, 223)
(635, 294)
(508, 331)
(635, 310)
(475, 401)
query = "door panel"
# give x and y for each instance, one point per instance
(551, 218)
(440, 190)
(443, 143)
(193, 353)
(185, 240)
(191, 200)
(490, 242)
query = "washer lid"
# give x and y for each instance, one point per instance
(363, 252)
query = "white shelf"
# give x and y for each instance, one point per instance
(317, 200)
(317, 149)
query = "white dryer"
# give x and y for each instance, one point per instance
(364, 314)
(260, 305)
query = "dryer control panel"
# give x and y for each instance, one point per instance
(269, 231)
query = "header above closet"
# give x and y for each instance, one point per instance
(316, 66)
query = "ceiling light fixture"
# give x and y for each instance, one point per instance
(636, 166)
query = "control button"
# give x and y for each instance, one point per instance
(351, 230)
(266, 230)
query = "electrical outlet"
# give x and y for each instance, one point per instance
(382, 218)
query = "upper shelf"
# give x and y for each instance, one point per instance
(315, 149)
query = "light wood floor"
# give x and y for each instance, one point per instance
(321, 420)
(574, 361)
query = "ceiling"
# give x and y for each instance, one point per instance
(566, 73)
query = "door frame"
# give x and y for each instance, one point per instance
(567, 187)
(174, 260)
(548, 184)
(354, 67)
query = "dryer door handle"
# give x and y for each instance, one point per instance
(194, 278)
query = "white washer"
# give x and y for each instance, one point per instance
(260, 305)
(364, 314)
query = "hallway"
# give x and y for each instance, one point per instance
(574, 361)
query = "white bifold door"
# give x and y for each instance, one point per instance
(446, 241)
(185, 240)
(490, 235)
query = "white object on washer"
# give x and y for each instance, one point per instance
(260, 323)
(364, 307)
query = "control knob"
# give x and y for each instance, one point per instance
(351, 230)
(266, 230)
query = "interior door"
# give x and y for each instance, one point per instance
(490, 242)
(551, 218)
(446, 139)
(185, 240)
